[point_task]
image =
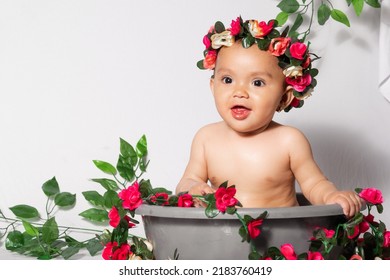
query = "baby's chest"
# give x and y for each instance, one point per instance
(252, 164)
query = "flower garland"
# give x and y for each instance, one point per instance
(293, 54)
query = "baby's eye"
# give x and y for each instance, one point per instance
(227, 80)
(258, 83)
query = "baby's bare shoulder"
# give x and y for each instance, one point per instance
(210, 130)
(288, 131)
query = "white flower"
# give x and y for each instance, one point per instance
(293, 71)
(222, 39)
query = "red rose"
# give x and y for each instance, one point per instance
(371, 195)
(279, 45)
(225, 198)
(131, 197)
(160, 199)
(107, 251)
(129, 223)
(299, 83)
(121, 253)
(185, 200)
(386, 239)
(253, 228)
(288, 252)
(295, 102)
(354, 233)
(298, 50)
(314, 256)
(114, 217)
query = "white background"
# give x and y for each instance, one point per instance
(77, 75)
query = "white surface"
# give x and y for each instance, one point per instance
(75, 76)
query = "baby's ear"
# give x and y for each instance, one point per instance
(286, 99)
(212, 84)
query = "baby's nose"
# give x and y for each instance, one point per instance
(240, 93)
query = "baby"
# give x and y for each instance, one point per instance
(258, 71)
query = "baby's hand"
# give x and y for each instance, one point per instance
(200, 189)
(348, 200)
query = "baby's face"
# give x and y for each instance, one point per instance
(247, 86)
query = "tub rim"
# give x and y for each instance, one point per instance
(305, 211)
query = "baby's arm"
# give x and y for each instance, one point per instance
(195, 175)
(315, 186)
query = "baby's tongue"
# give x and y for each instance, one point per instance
(240, 112)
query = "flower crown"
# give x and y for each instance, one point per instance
(292, 53)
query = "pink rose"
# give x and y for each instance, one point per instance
(314, 256)
(206, 42)
(371, 195)
(288, 252)
(210, 59)
(235, 27)
(386, 239)
(279, 45)
(185, 200)
(356, 257)
(114, 217)
(299, 83)
(160, 199)
(131, 197)
(253, 228)
(298, 50)
(225, 198)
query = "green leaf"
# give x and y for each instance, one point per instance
(94, 246)
(94, 198)
(323, 13)
(108, 184)
(247, 41)
(339, 16)
(373, 3)
(14, 240)
(219, 27)
(50, 231)
(145, 188)
(30, 229)
(106, 167)
(69, 252)
(379, 208)
(142, 147)
(111, 199)
(288, 6)
(25, 211)
(358, 6)
(125, 168)
(128, 152)
(297, 23)
(211, 210)
(65, 199)
(51, 187)
(199, 64)
(95, 215)
(282, 18)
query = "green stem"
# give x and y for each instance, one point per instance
(63, 227)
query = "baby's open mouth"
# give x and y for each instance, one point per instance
(240, 112)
